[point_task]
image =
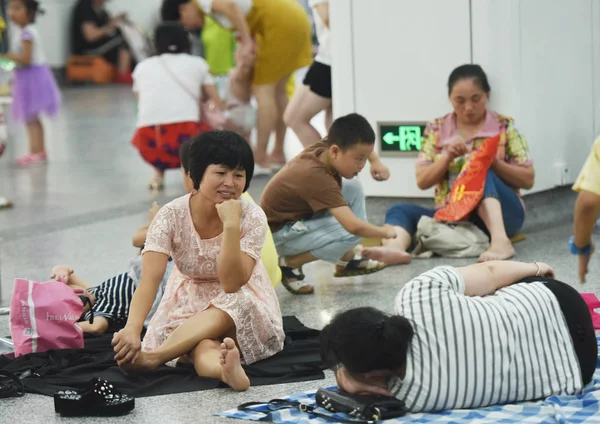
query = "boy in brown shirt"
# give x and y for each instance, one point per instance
(316, 208)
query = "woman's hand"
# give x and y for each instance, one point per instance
(230, 212)
(351, 385)
(246, 53)
(544, 270)
(127, 344)
(457, 149)
(61, 273)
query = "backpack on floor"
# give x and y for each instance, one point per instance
(450, 240)
(44, 316)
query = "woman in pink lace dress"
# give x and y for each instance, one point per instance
(221, 302)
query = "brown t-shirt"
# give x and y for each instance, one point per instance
(302, 188)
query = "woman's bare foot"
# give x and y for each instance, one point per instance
(387, 255)
(498, 251)
(233, 374)
(145, 362)
(584, 261)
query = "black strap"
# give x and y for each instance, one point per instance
(13, 387)
(279, 404)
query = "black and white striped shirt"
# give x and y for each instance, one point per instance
(113, 298)
(470, 352)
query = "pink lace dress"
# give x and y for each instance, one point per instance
(254, 308)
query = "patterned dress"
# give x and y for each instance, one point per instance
(254, 308)
(441, 132)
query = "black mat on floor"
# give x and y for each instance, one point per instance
(47, 372)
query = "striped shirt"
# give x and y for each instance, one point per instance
(470, 352)
(113, 298)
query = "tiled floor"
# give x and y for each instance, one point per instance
(83, 207)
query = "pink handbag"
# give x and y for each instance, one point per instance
(43, 316)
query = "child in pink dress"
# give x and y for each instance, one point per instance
(220, 309)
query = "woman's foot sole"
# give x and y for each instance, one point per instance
(232, 372)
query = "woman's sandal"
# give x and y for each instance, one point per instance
(293, 280)
(98, 399)
(10, 385)
(359, 266)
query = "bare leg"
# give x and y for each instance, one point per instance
(35, 131)
(490, 212)
(277, 156)
(211, 323)
(157, 181)
(303, 106)
(221, 360)
(266, 120)
(124, 62)
(393, 251)
(587, 209)
(328, 116)
(297, 261)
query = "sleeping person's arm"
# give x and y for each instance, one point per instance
(485, 278)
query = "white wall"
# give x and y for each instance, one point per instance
(55, 25)
(392, 62)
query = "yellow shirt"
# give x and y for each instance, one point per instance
(269, 254)
(589, 177)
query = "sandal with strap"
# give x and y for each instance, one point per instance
(293, 280)
(99, 399)
(156, 184)
(10, 385)
(358, 266)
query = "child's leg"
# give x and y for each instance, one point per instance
(158, 180)
(35, 131)
(587, 209)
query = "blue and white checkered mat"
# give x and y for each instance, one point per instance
(583, 408)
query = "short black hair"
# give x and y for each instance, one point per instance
(366, 339)
(184, 155)
(170, 37)
(169, 10)
(219, 148)
(350, 130)
(469, 71)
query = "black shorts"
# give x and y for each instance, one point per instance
(579, 322)
(318, 79)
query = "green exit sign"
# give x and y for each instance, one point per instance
(400, 139)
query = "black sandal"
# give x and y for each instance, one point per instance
(10, 385)
(359, 266)
(293, 280)
(99, 399)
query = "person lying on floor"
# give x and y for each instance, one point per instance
(445, 148)
(220, 308)
(491, 333)
(109, 301)
(587, 209)
(316, 207)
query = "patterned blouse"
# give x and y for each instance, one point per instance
(441, 132)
